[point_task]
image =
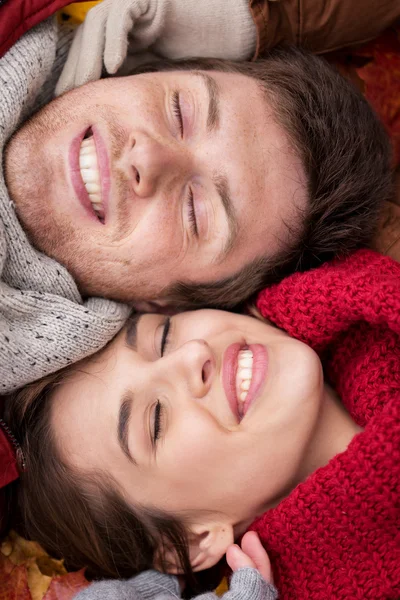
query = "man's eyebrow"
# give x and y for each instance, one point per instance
(131, 330)
(124, 416)
(221, 183)
(213, 116)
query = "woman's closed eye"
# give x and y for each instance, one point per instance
(158, 424)
(165, 336)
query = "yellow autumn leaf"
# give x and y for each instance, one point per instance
(37, 582)
(77, 11)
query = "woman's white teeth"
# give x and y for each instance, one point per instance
(245, 385)
(245, 358)
(90, 174)
(244, 374)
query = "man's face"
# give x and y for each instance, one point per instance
(135, 183)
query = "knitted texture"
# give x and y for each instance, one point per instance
(337, 535)
(44, 322)
(168, 28)
(246, 584)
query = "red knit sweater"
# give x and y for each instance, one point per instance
(337, 535)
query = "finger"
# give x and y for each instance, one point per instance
(120, 22)
(237, 559)
(67, 78)
(252, 546)
(90, 62)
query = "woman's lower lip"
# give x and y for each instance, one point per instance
(260, 367)
(76, 177)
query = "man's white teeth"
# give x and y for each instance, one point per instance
(244, 374)
(90, 174)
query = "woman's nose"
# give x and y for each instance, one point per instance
(194, 362)
(154, 163)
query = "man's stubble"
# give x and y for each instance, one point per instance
(29, 177)
(30, 180)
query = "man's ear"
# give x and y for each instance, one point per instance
(208, 543)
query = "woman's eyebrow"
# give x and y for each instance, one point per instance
(124, 416)
(131, 330)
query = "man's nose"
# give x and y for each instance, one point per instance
(194, 362)
(156, 163)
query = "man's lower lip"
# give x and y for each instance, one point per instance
(76, 177)
(260, 366)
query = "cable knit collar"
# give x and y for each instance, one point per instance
(45, 324)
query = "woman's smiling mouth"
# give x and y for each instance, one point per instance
(243, 372)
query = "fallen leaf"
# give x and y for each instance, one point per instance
(375, 69)
(27, 572)
(13, 581)
(222, 588)
(65, 587)
(37, 582)
(51, 566)
(22, 549)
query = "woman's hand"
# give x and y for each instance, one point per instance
(169, 28)
(251, 554)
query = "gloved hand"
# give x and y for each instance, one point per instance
(169, 28)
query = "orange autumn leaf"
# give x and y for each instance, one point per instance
(381, 77)
(375, 69)
(66, 586)
(27, 572)
(13, 581)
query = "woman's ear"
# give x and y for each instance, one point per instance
(208, 543)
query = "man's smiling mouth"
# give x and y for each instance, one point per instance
(90, 173)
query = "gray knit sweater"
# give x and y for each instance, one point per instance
(246, 584)
(44, 322)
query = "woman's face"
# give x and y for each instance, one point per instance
(160, 410)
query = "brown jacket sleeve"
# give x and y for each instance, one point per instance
(321, 25)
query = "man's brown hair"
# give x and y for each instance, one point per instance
(345, 153)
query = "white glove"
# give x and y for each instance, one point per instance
(170, 28)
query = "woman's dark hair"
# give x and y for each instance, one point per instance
(81, 516)
(345, 153)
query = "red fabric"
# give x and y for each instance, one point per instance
(337, 535)
(18, 16)
(8, 470)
